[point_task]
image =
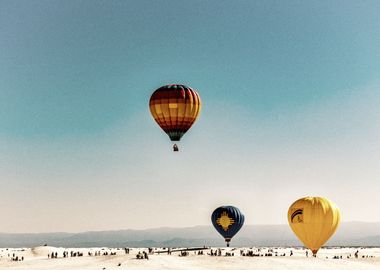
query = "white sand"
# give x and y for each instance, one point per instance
(37, 259)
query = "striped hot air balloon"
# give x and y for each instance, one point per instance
(175, 108)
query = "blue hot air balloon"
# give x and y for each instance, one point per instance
(227, 220)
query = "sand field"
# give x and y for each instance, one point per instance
(38, 258)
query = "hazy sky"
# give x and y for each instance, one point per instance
(290, 92)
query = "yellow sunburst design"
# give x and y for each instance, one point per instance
(225, 221)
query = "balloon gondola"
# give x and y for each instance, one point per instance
(175, 108)
(175, 147)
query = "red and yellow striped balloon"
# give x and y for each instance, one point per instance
(175, 108)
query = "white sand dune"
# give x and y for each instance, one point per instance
(37, 259)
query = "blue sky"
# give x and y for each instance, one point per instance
(290, 95)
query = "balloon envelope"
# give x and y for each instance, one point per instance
(227, 220)
(175, 108)
(314, 220)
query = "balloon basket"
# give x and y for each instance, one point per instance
(175, 148)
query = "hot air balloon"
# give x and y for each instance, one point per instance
(314, 220)
(175, 108)
(227, 220)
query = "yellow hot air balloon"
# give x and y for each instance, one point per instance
(314, 220)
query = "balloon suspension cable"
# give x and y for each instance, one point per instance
(175, 148)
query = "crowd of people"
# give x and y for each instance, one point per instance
(16, 258)
(252, 253)
(66, 254)
(216, 252)
(144, 254)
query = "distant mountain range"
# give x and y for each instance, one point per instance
(348, 234)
